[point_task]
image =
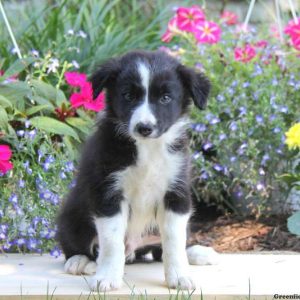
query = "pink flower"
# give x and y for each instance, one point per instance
(5, 155)
(244, 54)
(229, 18)
(290, 25)
(189, 17)
(208, 32)
(168, 35)
(261, 44)
(85, 98)
(75, 79)
(12, 78)
(293, 30)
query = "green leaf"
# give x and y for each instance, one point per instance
(3, 118)
(80, 124)
(48, 92)
(17, 67)
(54, 126)
(32, 110)
(4, 102)
(294, 223)
(15, 92)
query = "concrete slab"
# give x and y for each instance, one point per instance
(35, 277)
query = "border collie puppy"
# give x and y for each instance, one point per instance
(134, 173)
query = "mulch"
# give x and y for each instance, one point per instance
(232, 234)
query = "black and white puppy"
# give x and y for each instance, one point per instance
(134, 171)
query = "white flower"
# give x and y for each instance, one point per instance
(70, 32)
(54, 64)
(82, 34)
(75, 64)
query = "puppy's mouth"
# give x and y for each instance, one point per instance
(144, 131)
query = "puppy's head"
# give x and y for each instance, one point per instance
(149, 91)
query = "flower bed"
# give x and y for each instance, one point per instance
(239, 152)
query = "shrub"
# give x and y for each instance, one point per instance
(238, 142)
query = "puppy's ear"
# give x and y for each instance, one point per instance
(105, 75)
(196, 85)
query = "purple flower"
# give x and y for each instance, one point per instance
(20, 133)
(204, 175)
(200, 127)
(218, 167)
(265, 158)
(214, 120)
(27, 168)
(261, 172)
(259, 119)
(220, 98)
(207, 146)
(242, 110)
(55, 252)
(32, 244)
(2, 236)
(222, 136)
(196, 155)
(21, 183)
(69, 167)
(62, 175)
(233, 126)
(283, 109)
(276, 130)
(27, 124)
(13, 199)
(20, 242)
(31, 134)
(233, 158)
(274, 81)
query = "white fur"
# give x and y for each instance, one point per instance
(143, 113)
(200, 255)
(111, 258)
(80, 264)
(173, 234)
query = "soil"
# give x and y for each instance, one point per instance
(232, 234)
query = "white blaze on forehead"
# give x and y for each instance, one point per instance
(143, 113)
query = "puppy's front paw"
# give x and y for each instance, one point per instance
(105, 283)
(181, 282)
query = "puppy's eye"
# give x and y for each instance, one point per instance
(165, 99)
(128, 96)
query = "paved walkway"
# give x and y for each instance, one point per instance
(267, 275)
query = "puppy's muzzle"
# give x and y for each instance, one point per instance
(144, 129)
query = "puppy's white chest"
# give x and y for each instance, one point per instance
(145, 183)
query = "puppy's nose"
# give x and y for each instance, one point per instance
(144, 129)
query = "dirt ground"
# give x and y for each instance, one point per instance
(230, 234)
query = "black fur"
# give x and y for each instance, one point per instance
(112, 149)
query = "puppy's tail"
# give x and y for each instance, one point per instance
(200, 255)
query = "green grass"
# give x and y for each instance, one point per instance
(112, 27)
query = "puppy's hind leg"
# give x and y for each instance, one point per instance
(200, 255)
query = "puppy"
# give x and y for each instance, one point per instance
(134, 173)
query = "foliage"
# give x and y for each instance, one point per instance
(238, 142)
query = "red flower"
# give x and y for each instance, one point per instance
(85, 98)
(229, 18)
(244, 54)
(75, 79)
(5, 155)
(189, 17)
